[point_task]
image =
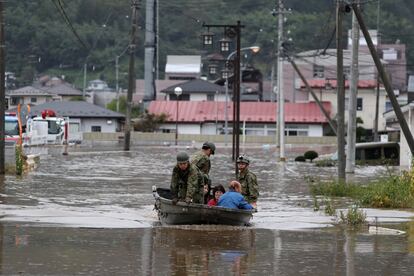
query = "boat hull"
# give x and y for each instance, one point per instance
(183, 213)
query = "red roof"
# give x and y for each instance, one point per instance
(190, 111)
(323, 83)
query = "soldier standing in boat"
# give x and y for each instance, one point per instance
(248, 181)
(186, 181)
(201, 160)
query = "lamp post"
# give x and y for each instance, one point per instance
(254, 49)
(231, 32)
(177, 91)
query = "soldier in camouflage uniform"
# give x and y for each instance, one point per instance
(248, 180)
(202, 160)
(186, 181)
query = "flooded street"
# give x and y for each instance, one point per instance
(91, 213)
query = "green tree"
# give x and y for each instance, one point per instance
(135, 111)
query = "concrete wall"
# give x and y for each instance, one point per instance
(140, 137)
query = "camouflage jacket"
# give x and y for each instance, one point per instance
(202, 162)
(250, 189)
(187, 184)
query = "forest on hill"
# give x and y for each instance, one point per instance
(60, 36)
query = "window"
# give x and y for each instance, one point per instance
(15, 100)
(359, 104)
(210, 97)
(96, 128)
(318, 71)
(183, 97)
(33, 100)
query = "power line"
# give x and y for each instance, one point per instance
(62, 11)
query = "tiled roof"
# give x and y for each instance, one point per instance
(249, 111)
(63, 89)
(28, 91)
(196, 86)
(322, 83)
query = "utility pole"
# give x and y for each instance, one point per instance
(131, 74)
(2, 89)
(378, 80)
(351, 133)
(397, 109)
(85, 68)
(149, 71)
(340, 91)
(117, 82)
(280, 93)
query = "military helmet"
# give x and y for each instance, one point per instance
(243, 159)
(182, 157)
(209, 145)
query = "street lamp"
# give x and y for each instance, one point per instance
(231, 32)
(225, 75)
(177, 91)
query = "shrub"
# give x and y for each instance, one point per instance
(300, 159)
(310, 154)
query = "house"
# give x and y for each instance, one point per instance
(196, 90)
(98, 85)
(83, 116)
(317, 66)
(321, 64)
(58, 87)
(259, 118)
(405, 154)
(183, 67)
(28, 95)
(326, 90)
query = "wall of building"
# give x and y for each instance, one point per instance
(106, 124)
(367, 114)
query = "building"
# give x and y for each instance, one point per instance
(196, 90)
(257, 118)
(83, 116)
(28, 95)
(405, 154)
(326, 90)
(183, 67)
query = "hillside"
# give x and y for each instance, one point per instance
(39, 39)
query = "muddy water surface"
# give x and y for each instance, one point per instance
(91, 212)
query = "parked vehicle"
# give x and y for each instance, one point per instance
(184, 213)
(39, 130)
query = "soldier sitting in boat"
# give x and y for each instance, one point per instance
(186, 181)
(248, 180)
(233, 198)
(201, 159)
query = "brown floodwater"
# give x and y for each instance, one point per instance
(91, 213)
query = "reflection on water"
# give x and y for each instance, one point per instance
(91, 212)
(199, 251)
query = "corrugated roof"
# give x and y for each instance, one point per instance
(323, 83)
(249, 111)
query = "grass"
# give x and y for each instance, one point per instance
(354, 216)
(393, 191)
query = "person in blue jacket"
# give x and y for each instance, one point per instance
(233, 198)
